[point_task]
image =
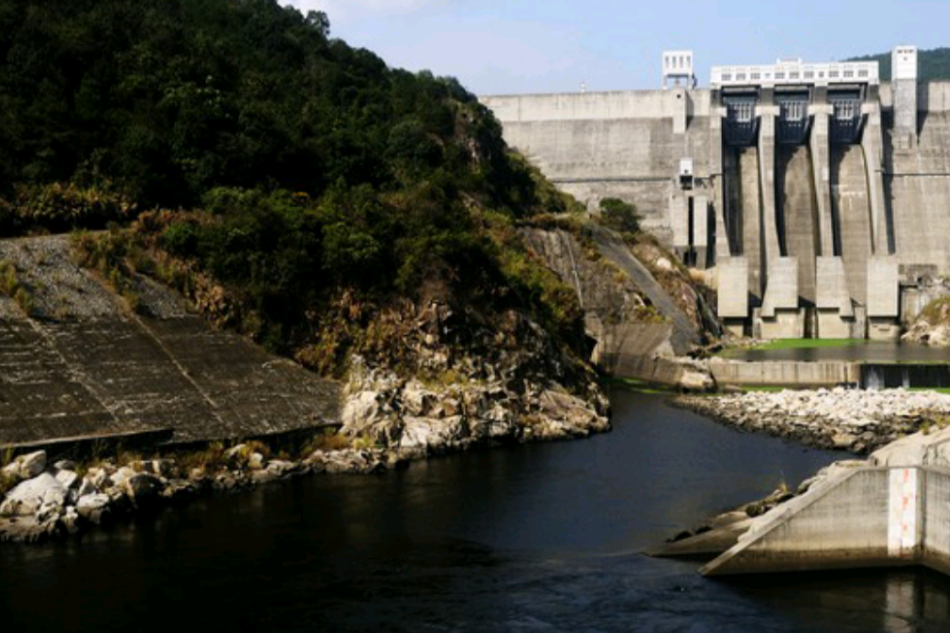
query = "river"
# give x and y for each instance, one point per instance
(543, 537)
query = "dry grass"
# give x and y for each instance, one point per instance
(326, 441)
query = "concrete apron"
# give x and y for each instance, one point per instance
(859, 516)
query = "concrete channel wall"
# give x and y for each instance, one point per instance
(785, 373)
(862, 516)
(845, 524)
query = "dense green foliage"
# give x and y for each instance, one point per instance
(933, 65)
(310, 168)
(619, 215)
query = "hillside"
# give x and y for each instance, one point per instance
(933, 65)
(359, 219)
(312, 171)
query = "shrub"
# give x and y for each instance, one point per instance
(619, 215)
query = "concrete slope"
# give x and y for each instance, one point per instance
(798, 209)
(851, 203)
(840, 523)
(81, 364)
(892, 510)
(684, 336)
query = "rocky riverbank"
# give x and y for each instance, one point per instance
(387, 421)
(844, 419)
(46, 500)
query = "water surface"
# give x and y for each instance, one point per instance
(544, 537)
(856, 350)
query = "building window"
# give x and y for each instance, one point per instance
(755, 76)
(793, 75)
(727, 76)
(740, 76)
(862, 73)
(809, 74)
(833, 74)
(849, 73)
(780, 75)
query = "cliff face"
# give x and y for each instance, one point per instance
(481, 378)
(642, 314)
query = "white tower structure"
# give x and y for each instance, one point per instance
(678, 66)
(904, 82)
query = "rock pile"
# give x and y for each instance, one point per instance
(50, 500)
(846, 419)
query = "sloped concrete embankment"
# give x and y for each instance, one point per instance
(78, 363)
(892, 510)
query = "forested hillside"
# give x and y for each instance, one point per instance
(933, 65)
(295, 187)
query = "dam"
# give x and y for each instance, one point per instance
(818, 195)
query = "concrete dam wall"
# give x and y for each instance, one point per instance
(80, 365)
(824, 190)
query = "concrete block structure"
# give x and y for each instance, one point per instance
(883, 308)
(733, 293)
(821, 163)
(834, 310)
(891, 511)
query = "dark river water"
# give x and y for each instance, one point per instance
(545, 537)
(856, 350)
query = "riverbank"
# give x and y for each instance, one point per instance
(386, 423)
(843, 419)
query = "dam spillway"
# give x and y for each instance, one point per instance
(818, 193)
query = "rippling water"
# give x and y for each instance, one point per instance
(543, 537)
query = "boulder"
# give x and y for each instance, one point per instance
(26, 466)
(69, 478)
(94, 508)
(30, 496)
(144, 488)
(65, 464)
(121, 477)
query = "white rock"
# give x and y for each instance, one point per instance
(121, 477)
(70, 479)
(28, 497)
(93, 507)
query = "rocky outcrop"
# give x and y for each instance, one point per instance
(417, 419)
(846, 419)
(932, 326)
(642, 331)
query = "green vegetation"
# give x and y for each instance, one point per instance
(315, 187)
(619, 216)
(936, 311)
(641, 386)
(933, 65)
(11, 286)
(795, 343)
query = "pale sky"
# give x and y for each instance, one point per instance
(498, 47)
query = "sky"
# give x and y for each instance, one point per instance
(527, 46)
